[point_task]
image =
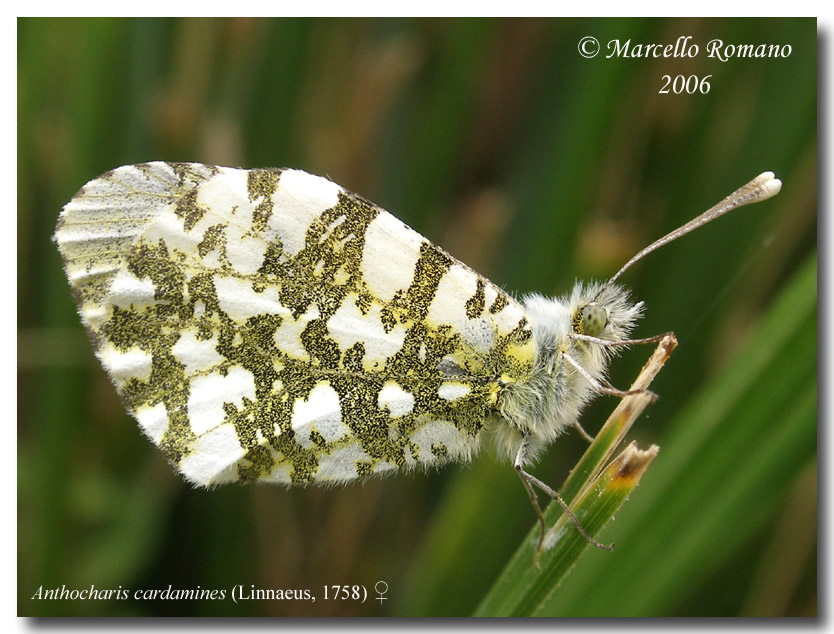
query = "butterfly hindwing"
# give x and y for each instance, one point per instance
(267, 324)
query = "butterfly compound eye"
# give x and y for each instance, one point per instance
(593, 319)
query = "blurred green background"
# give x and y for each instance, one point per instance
(535, 166)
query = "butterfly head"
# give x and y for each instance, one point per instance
(591, 319)
(603, 311)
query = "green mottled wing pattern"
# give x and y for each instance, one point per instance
(267, 324)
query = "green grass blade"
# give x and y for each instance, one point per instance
(596, 505)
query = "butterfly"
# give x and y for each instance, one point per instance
(267, 324)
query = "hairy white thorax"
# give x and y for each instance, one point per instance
(552, 399)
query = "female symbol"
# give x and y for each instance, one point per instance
(381, 588)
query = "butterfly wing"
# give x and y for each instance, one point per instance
(267, 324)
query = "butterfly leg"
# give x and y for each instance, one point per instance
(603, 386)
(618, 344)
(582, 431)
(535, 501)
(529, 482)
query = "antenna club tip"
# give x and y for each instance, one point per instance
(768, 185)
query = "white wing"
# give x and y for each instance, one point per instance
(267, 324)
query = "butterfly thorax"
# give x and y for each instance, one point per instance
(552, 397)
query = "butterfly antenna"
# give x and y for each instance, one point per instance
(764, 186)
